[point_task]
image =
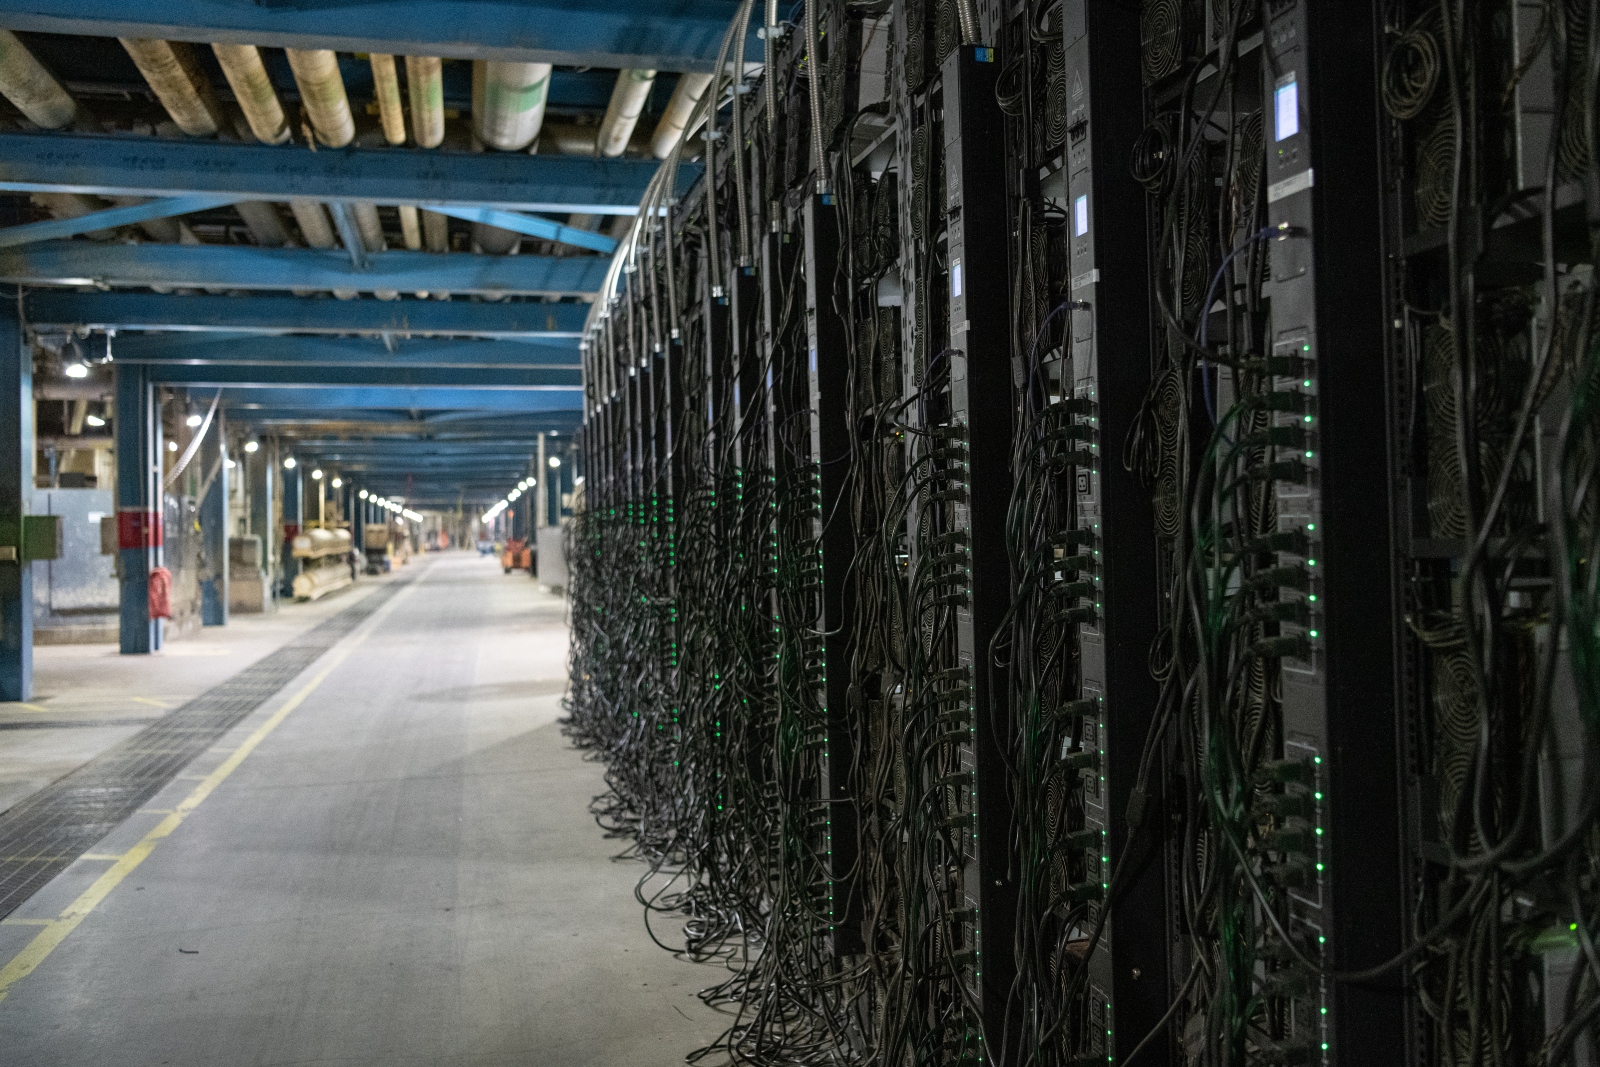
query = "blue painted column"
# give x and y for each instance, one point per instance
(214, 526)
(294, 501)
(139, 535)
(16, 494)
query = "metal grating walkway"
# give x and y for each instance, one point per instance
(53, 827)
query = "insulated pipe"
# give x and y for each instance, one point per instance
(266, 226)
(386, 86)
(628, 97)
(436, 231)
(411, 227)
(425, 85)
(252, 88)
(322, 95)
(691, 87)
(371, 228)
(508, 101)
(174, 74)
(314, 224)
(34, 90)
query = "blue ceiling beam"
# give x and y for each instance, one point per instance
(258, 350)
(665, 35)
(308, 401)
(53, 229)
(288, 314)
(460, 379)
(147, 166)
(252, 268)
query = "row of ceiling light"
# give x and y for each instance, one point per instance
(521, 487)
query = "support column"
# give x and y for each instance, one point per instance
(542, 517)
(16, 493)
(139, 536)
(214, 525)
(294, 497)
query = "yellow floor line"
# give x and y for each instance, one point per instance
(152, 703)
(56, 930)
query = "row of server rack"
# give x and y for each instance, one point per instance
(1089, 549)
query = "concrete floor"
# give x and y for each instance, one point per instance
(402, 872)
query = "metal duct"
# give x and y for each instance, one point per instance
(425, 85)
(174, 74)
(386, 87)
(322, 95)
(247, 77)
(34, 90)
(691, 87)
(508, 101)
(628, 97)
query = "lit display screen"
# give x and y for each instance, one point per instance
(1286, 101)
(1080, 216)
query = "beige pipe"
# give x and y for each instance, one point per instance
(568, 139)
(76, 205)
(508, 101)
(627, 104)
(425, 85)
(322, 95)
(436, 231)
(411, 227)
(691, 87)
(494, 241)
(35, 91)
(178, 82)
(386, 84)
(315, 226)
(266, 226)
(247, 77)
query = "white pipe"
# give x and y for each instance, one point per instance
(315, 226)
(386, 87)
(628, 97)
(265, 225)
(178, 82)
(34, 90)
(691, 87)
(322, 95)
(411, 227)
(252, 88)
(508, 102)
(436, 231)
(425, 85)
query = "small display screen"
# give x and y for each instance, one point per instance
(1286, 102)
(1080, 216)
(955, 278)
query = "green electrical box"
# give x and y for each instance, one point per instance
(39, 538)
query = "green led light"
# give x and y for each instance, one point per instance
(1312, 597)
(1320, 867)
(1311, 526)
(1324, 1011)
(1324, 1046)
(1313, 633)
(1306, 383)
(1322, 940)
(1319, 831)
(1316, 759)
(1308, 455)
(1311, 563)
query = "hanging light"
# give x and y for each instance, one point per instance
(76, 370)
(94, 420)
(337, 482)
(252, 446)
(363, 494)
(317, 474)
(555, 461)
(172, 446)
(192, 421)
(288, 463)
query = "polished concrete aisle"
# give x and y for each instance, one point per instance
(400, 870)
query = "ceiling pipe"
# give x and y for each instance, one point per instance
(265, 224)
(34, 90)
(691, 87)
(252, 88)
(371, 227)
(174, 74)
(322, 95)
(435, 231)
(628, 97)
(425, 86)
(317, 229)
(386, 86)
(508, 101)
(411, 227)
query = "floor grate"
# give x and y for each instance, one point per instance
(49, 830)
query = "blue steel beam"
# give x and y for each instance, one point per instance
(311, 399)
(52, 229)
(666, 35)
(310, 374)
(146, 166)
(256, 350)
(282, 315)
(249, 267)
